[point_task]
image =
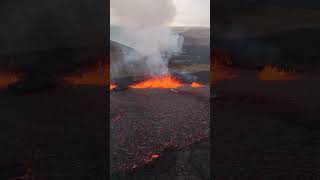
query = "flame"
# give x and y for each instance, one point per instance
(112, 86)
(94, 76)
(274, 73)
(7, 78)
(196, 85)
(162, 82)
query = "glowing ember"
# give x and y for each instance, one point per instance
(7, 78)
(151, 157)
(112, 86)
(95, 76)
(196, 85)
(163, 82)
(273, 73)
(155, 156)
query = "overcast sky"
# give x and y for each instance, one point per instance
(192, 13)
(189, 13)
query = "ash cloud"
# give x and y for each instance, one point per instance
(143, 25)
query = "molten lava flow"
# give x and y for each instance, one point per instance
(94, 76)
(273, 73)
(196, 85)
(163, 82)
(112, 86)
(7, 78)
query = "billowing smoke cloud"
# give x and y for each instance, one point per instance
(144, 26)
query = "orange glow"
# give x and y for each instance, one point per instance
(155, 156)
(273, 73)
(162, 82)
(220, 66)
(151, 157)
(94, 76)
(196, 85)
(112, 86)
(7, 78)
(221, 72)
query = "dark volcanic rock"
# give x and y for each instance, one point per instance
(57, 134)
(33, 84)
(266, 129)
(144, 120)
(191, 162)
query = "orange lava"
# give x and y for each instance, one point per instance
(196, 85)
(112, 86)
(274, 73)
(7, 78)
(94, 76)
(161, 82)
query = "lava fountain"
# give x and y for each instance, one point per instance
(160, 82)
(274, 73)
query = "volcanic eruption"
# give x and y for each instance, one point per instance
(165, 82)
(147, 116)
(143, 26)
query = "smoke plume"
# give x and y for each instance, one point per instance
(143, 25)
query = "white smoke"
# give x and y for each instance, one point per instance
(144, 26)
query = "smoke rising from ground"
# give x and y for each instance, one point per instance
(144, 26)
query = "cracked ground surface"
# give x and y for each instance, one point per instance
(147, 120)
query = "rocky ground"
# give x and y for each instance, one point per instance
(266, 129)
(174, 124)
(190, 162)
(53, 134)
(145, 121)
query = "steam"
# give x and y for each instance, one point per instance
(143, 25)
